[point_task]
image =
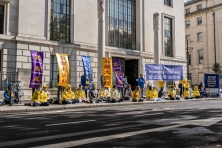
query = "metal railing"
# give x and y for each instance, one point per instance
(7, 77)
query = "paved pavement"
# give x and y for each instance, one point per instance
(21, 108)
(194, 124)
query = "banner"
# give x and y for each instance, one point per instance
(212, 84)
(63, 65)
(164, 72)
(118, 73)
(107, 71)
(37, 69)
(86, 60)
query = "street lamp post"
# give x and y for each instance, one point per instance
(188, 59)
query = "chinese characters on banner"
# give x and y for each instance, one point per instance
(86, 60)
(37, 69)
(63, 65)
(118, 73)
(107, 71)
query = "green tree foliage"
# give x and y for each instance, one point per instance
(216, 68)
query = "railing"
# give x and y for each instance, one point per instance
(6, 77)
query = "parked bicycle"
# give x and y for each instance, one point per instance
(13, 93)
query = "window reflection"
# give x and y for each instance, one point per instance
(168, 37)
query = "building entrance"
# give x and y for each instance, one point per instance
(130, 69)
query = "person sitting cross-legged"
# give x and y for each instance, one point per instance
(172, 94)
(148, 92)
(80, 95)
(68, 96)
(103, 94)
(93, 94)
(115, 95)
(161, 93)
(154, 95)
(40, 97)
(128, 93)
(186, 94)
(196, 93)
(136, 95)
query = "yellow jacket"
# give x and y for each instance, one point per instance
(68, 95)
(196, 92)
(160, 84)
(172, 93)
(136, 95)
(153, 94)
(80, 94)
(103, 93)
(186, 94)
(39, 96)
(148, 93)
(186, 84)
(115, 94)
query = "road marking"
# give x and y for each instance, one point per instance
(70, 123)
(133, 108)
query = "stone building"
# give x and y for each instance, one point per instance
(203, 28)
(71, 27)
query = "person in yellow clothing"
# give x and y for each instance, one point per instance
(161, 84)
(172, 94)
(45, 89)
(68, 96)
(186, 84)
(115, 95)
(40, 98)
(196, 93)
(103, 94)
(154, 95)
(148, 92)
(186, 94)
(136, 95)
(80, 95)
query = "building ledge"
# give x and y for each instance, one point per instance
(5, 1)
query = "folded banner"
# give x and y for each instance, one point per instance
(37, 69)
(86, 60)
(164, 72)
(118, 73)
(107, 72)
(63, 65)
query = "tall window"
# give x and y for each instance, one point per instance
(53, 69)
(60, 20)
(187, 10)
(190, 76)
(189, 58)
(1, 19)
(187, 24)
(199, 7)
(168, 2)
(122, 22)
(199, 20)
(200, 37)
(168, 37)
(200, 53)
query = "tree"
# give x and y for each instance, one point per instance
(216, 68)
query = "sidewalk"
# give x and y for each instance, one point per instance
(19, 108)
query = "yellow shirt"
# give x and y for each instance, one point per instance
(80, 94)
(186, 84)
(148, 93)
(39, 96)
(172, 93)
(103, 93)
(115, 94)
(186, 94)
(153, 94)
(160, 83)
(196, 93)
(68, 95)
(136, 95)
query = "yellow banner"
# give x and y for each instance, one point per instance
(107, 72)
(63, 65)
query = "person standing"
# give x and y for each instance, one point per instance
(141, 82)
(125, 84)
(60, 89)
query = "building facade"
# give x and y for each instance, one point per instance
(203, 32)
(71, 27)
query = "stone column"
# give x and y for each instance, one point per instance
(101, 39)
(156, 38)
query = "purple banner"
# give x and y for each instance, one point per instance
(118, 73)
(37, 69)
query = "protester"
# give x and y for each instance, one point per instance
(186, 94)
(104, 94)
(181, 87)
(161, 93)
(200, 86)
(45, 89)
(40, 98)
(148, 92)
(93, 94)
(60, 89)
(68, 96)
(136, 95)
(186, 84)
(141, 82)
(161, 84)
(196, 93)
(125, 84)
(154, 95)
(128, 93)
(80, 95)
(172, 94)
(115, 95)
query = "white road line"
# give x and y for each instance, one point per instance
(70, 123)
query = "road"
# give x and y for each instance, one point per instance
(194, 124)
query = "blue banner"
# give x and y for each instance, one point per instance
(212, 84)
(88, 80)
(164, 72)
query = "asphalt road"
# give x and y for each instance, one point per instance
(171, 125)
